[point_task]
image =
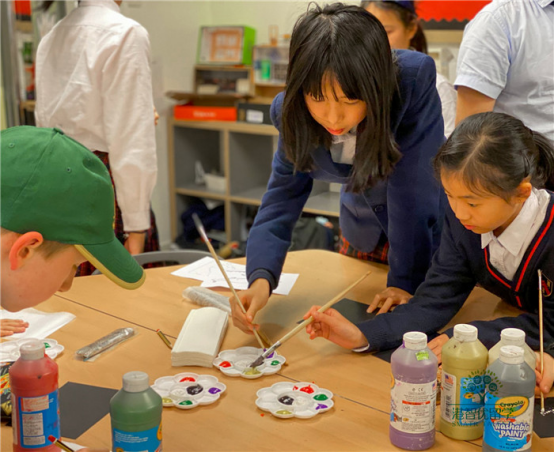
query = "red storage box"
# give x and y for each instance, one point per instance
(201, 113)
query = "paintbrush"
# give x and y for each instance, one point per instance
(204, 237)
(300, 326)
(541, 336)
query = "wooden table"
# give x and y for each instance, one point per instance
(358, 422)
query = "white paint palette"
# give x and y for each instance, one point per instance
(236, 362)
(9, 351)
(289, 399)
(188, 390)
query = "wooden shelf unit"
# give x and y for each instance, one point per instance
(243, 154)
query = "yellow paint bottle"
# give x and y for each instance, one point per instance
(464, 361)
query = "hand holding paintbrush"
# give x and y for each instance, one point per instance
(204, 236)
(300, 326)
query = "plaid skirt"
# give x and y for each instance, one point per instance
(378, 255)
(151, 241)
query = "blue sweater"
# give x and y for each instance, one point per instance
(408, 207)
(457, 267)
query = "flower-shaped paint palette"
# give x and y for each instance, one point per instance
(188, 390)
(236, 362)
(289, 399)
(9, 351)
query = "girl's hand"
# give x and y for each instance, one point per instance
(544, 382)
(253, 300)
(334, 327)
(10, 326)
(436, 345)
(387, 298)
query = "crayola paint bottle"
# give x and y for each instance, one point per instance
(513, 337)
(413, 394)
(464, 361)
(136, 414)
(34, 387)
(509, 401)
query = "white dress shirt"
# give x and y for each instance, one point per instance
(507, 250)
(447, 93)
(343, 147)
(93, 81)
(507, 53)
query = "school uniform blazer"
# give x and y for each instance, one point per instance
(408, 207)
(458, 266)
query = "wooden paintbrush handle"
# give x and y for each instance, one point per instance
(328, 305)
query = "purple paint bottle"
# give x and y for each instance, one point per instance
(413, 394)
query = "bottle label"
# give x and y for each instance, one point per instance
(470, 409)
(149, 440)
(508, 422)
(413, 406)
(37, 418)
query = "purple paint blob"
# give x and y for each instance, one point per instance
(214, 390)
(320, 406)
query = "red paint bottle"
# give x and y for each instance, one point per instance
(34, 387)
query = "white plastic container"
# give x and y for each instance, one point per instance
(215, 183)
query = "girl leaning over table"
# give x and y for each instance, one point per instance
(355, 113)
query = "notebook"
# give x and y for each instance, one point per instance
(200, 338)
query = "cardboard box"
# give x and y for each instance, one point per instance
(226, 45)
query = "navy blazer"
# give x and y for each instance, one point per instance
(457, 267)
(408, 207)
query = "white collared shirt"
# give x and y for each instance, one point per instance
(93, 81)
(343, 147)
(508, 249)
(507, 53)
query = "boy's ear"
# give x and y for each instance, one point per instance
(23, 248)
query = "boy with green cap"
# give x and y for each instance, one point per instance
(57, 211)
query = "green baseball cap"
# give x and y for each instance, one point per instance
(55, 186)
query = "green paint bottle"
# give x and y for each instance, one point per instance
(136, 414)
(464, 361)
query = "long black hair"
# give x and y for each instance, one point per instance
(350, 46)
(406, 12)
(494, 153)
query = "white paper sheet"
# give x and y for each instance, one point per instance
(207, 271)
(41, 324)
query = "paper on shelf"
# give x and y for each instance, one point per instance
(207, 271)
(41, 324)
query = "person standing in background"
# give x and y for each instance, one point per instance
(506, 64)
(404, 31)
(94, 82)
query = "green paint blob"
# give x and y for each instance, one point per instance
(251, 372)
(283, 412)
(422, 355)
(275, 363)
(320, 397)
(185, 403)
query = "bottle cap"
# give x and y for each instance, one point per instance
(512, 336)
(135, 382)
(465, 332)
(32, 350)
(415, 340)
(512, 355)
